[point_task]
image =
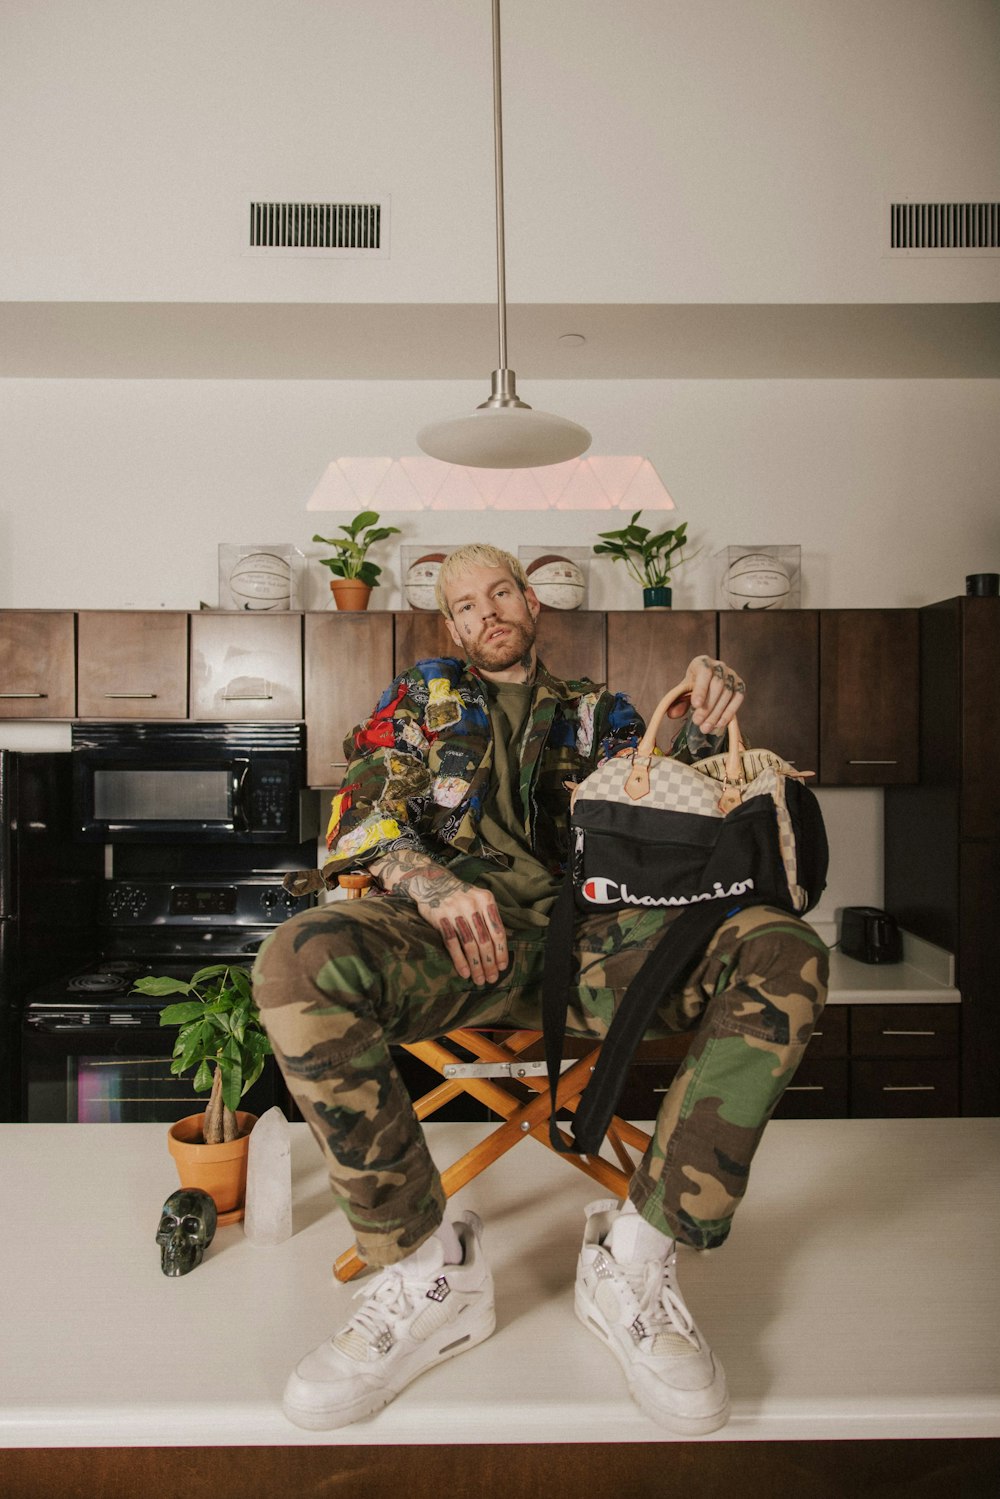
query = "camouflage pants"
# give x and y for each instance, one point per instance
(337, 985)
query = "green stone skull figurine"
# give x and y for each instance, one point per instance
(187, 1227)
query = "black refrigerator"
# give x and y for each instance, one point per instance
(49, 892)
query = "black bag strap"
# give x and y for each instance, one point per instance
(678, 949)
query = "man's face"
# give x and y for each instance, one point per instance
(492, 620)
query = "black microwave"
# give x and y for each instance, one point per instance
(236, 783)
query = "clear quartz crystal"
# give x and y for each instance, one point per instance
(268, 1217)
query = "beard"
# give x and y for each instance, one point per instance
(498, 655)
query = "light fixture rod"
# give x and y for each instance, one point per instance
(498, 165)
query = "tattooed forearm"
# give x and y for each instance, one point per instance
(417, 877)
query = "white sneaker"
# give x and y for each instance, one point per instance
(412, 1318)
(636, 1308)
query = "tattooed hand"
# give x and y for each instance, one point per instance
(466, 916)
(716, 694)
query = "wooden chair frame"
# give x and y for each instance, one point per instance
(498, 1061)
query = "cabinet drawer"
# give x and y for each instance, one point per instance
(904, 1030)
(904, 1087)
(817, 1091)
(830, 1038)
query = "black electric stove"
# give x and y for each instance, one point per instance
(93, 1049)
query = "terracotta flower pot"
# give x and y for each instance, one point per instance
(219, 1170)
(350, 593)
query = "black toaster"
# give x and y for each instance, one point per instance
(870, 935)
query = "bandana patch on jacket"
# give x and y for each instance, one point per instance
(378, 732)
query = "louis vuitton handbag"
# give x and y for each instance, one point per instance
(702, 841)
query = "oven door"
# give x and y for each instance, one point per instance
(96, 1072)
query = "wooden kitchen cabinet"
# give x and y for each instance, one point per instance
(246, 666)
(420, 635)
(942, 837)
(37, 663)
(132, 664)
(348, 663)
(778, 656)
(649, 651)
(904, 1061)
(869, 697)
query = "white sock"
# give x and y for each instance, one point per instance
(443, 1247)
(631, 1239)
(454, 1254)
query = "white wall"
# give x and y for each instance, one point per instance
(656, 150)
(119, 492)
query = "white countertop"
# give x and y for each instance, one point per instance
(925, 976)
(857, 1297)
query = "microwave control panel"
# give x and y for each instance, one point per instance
(269, 809)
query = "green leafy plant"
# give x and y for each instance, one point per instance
(350, 550)
(650, 559)
(219, 1035)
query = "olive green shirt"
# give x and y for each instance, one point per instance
(523, 888)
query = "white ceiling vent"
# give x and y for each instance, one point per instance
(351, 230)
(971, 228)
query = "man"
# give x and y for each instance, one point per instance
(455, 801)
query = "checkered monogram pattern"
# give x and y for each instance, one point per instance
(673, 787)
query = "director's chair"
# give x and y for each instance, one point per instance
(490, 1067)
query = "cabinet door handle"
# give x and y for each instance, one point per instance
(23, 694)
(908, 1088)
(248, 697)
(805, 1088)
(130, 694)
(873, 762)
(909, 1033)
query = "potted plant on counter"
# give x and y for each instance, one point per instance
(354, 576)
(221, 1039)
(649, 558)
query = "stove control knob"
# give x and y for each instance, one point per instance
(289, 900)
(126, 900)
(269, 899)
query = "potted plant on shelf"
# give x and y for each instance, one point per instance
(221, 1038)
(650, 559)
(354, 576)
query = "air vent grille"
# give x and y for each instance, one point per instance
(945, 228)
(319, 228)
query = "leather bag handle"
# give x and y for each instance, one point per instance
(647, 744)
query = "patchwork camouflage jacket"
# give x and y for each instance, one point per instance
(419, 768)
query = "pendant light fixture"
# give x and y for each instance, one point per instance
(504, 432)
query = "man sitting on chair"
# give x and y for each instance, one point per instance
(455, 802)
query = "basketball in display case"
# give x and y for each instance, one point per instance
(558, 581)
(260, 579)
(756, 580)
(420, 580)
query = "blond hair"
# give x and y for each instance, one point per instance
(476, 554)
